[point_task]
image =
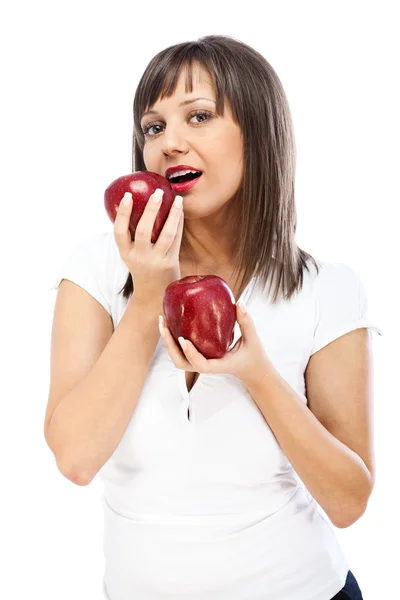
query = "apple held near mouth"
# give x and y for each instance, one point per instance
(202, 309)
(142, 184)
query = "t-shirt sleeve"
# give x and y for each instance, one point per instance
(341, 304)
(88, 265)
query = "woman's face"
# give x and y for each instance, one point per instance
(194, 135)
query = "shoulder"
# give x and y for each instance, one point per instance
(90, 263)
(340, 302)
(331, 274)
(102, 242)
(94, 246)
(338, 285)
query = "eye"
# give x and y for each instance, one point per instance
(197, 113)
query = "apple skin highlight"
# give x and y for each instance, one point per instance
(202, 309)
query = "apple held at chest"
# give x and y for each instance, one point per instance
(141, 184)
(202, 309)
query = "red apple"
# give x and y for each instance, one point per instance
(142, 184)
(202, 309)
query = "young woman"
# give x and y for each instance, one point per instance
(222, 477)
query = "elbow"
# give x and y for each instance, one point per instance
(76, 475)
(78, 478)
(349, 515)
(344, 523)
(348, 518)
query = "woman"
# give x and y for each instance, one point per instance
(215, 471)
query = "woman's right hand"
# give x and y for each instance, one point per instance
(152, 266)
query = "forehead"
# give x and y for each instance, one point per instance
(202, 87)
(201, 82)
(200, 77)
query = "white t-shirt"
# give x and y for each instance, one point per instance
(208, 507)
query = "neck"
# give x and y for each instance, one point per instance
(211, 248)
(209, 242)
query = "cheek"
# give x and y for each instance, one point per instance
(145, 156)
(233, 151)
(149, 156)
(232, 171)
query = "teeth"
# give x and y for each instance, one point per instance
(180, 173)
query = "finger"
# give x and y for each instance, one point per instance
(122, 234)
(237, 345)
(194, 357)
(176, 244)
(173, 348)
(245, 321)
(169, 231)
(145, 225)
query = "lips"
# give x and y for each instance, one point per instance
(180, 188)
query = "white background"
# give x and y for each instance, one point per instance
(68, 74)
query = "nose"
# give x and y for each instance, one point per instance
(173, 142)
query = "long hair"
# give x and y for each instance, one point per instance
(264, 207)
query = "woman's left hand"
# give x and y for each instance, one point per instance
(247, 360)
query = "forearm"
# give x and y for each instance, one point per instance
(335, 476)
(90, 421)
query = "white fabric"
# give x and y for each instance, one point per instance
(210, 508)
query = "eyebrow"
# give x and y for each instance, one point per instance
(154, 112)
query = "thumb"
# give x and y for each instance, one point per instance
(241, 310)
(244, 319)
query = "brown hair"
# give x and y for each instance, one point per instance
(264, 204)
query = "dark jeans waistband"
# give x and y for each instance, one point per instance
(350, 591)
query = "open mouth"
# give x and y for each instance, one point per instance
(184, 178)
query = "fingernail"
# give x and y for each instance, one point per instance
(161, 325)
(182, 342)
(158, 194)
(126, 200)
(178, 201)
(242, 307)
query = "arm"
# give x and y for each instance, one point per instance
(90, 420)
(328, 444)
(97, 374)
